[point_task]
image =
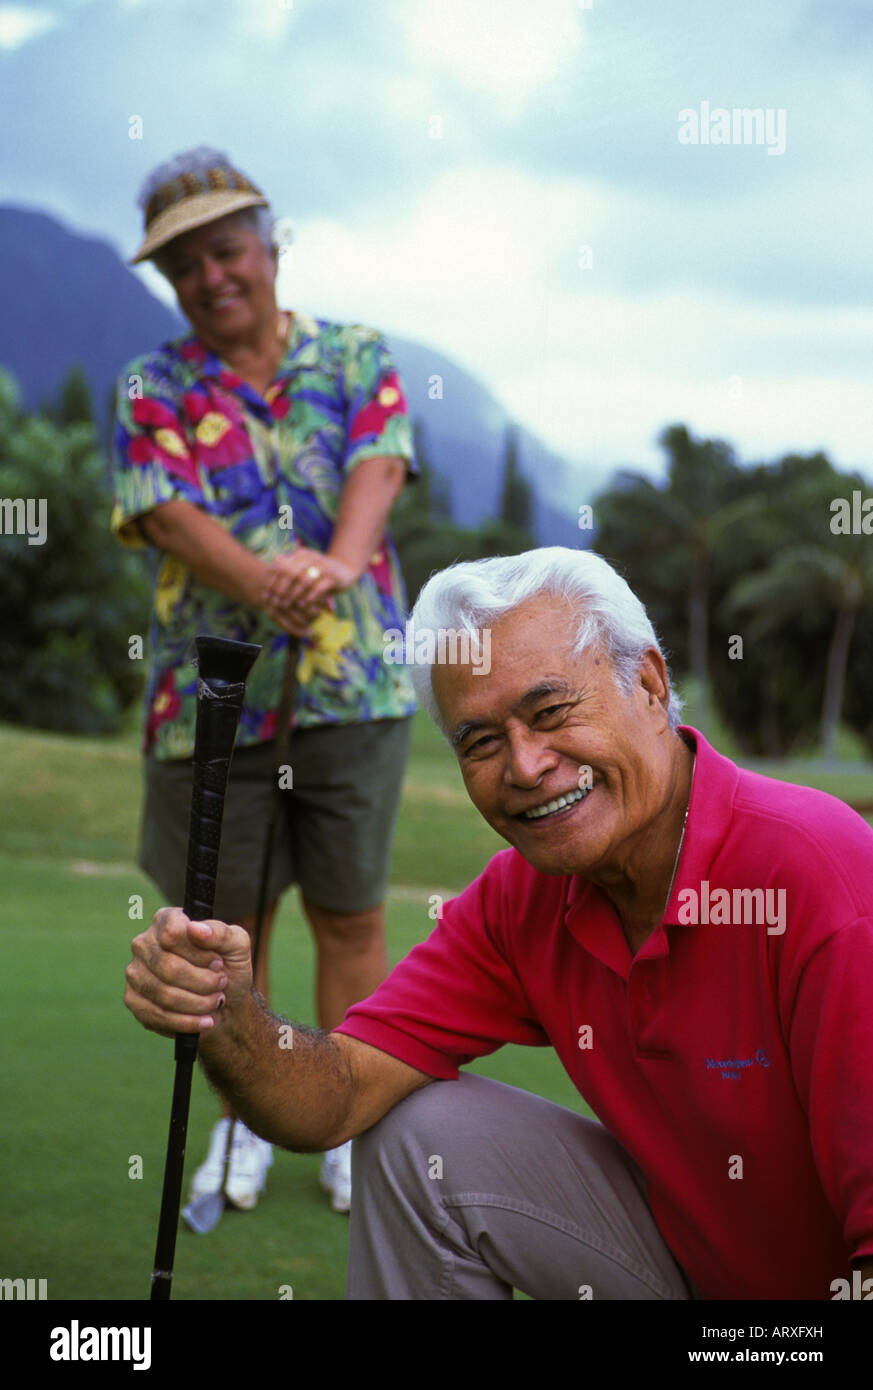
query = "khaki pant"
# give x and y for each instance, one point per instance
(468, 1189)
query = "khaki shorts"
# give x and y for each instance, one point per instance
(333, 829)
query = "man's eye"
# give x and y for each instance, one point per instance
(480, 746)
(550, 711)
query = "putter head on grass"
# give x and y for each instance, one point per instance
(204, 1213)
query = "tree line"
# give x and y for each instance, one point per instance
(758, 578)
(69, 604)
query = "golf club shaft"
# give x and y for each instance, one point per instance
(223, 666)
(283, 735)
(283, 721)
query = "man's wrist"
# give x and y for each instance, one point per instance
(232, 1031)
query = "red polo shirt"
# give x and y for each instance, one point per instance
(732, 1056)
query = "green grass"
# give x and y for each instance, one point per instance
(83, 1089)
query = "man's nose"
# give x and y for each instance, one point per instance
(529, 757)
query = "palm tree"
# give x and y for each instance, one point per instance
(807, 572)
(800, 577)
(664, 539)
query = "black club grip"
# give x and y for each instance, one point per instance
(222, 670)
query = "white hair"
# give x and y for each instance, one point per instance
(470, 596)
(198, 161)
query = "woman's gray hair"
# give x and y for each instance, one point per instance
(198, 161)
(470, 596)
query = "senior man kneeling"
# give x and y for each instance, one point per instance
(694, 940)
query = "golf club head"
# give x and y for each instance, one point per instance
(204, 1213)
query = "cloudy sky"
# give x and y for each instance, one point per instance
(556, 193)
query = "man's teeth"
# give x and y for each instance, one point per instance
(556, 805)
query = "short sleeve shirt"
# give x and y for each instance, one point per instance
(269, 469)
(730, 1056)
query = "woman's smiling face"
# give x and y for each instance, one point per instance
(224, 279)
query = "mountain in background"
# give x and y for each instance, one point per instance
(464, 438)
(69, 298)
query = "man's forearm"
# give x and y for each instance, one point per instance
(292, 1085)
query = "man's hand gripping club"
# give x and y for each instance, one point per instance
(184, 973)
(300, 1088)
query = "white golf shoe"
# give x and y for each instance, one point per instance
(250, 1158)
(336, 1176)
(208, 1177)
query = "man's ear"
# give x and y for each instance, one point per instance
(654, 679)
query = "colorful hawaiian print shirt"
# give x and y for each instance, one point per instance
(270, 469)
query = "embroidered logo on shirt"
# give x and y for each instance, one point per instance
(732, 1068)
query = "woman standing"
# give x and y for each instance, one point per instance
(260, 455)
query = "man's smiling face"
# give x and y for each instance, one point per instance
(528, 733)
